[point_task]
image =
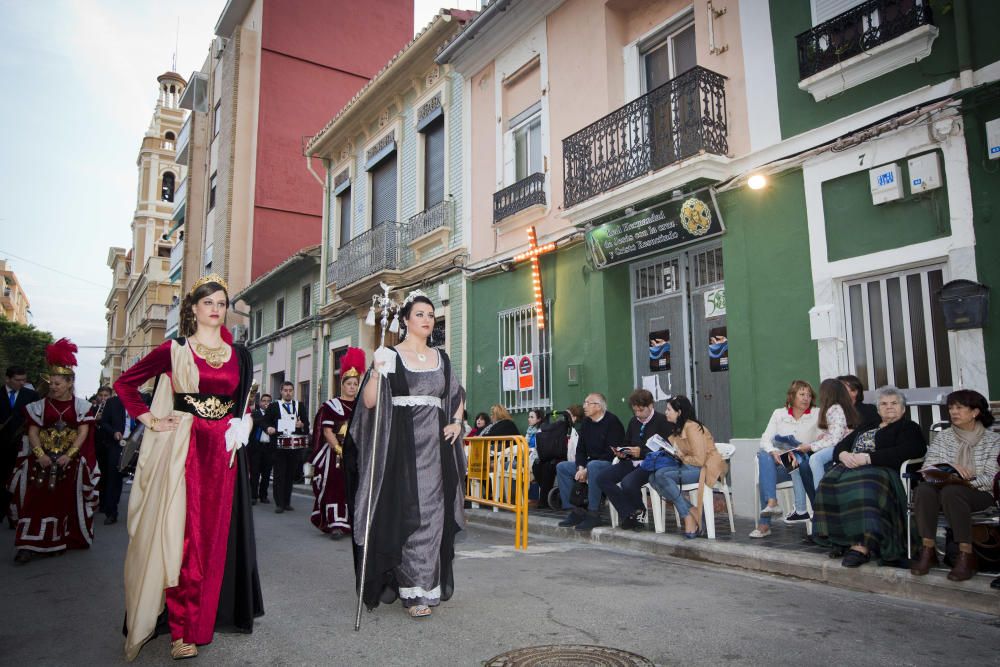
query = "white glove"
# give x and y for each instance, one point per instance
(238, 433)
(385, 361)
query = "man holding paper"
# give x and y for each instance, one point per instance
(622, 483)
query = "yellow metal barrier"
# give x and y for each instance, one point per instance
(498, 477)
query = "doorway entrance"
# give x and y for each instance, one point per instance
(680, 340)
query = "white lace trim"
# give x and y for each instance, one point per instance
(418, 592)
(412, 401)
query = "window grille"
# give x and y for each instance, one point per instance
(519, 335)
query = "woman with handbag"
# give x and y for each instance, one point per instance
(696, 460)
(191, 537)
(971, 451)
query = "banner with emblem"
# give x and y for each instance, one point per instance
(682, 220)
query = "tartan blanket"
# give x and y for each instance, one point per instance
(864, 506)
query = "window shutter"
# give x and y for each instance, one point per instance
(344, 199)
(434, 163)
(384, 190)
(824, 10)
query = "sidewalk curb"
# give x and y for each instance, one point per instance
(974, 595)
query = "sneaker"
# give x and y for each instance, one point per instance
(757, 533)
(572, 519)
(798, 517)
(590, 521)
(632, 521)
(771, 510)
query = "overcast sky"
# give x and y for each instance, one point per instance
(79, 84)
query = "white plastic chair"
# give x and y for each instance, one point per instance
(723, 485)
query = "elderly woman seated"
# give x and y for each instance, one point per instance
(958, 478)
(861, 503)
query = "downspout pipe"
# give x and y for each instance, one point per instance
(963, 43)
(319, 363)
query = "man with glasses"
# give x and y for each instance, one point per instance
(600, 435)
(627, 498)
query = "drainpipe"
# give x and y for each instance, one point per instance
(319, 367)
(963, 40)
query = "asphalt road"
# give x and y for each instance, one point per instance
(68, 610)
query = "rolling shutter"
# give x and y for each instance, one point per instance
(384, 190)
(434, 163)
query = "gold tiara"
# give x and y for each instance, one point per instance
(210, 278)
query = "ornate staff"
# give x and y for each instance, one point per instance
(385, 304)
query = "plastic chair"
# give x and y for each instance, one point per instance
(723, 485)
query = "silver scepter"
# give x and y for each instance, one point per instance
(385, 304)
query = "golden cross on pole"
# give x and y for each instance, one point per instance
(534, 250)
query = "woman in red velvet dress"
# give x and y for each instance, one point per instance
(53, 484)
(330, 510)
(190, 527)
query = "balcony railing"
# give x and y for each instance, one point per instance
(857, 30)
(180, 201)
(183, 142)
(440, 215)
(684, 117)
(173, 319)
(378, 249)
(526, 192)
(176, 257)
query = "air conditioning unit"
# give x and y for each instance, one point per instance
(239, 332)
(218, 46)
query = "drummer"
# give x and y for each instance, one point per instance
(287, 421)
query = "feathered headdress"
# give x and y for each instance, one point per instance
(61, 357)
(352, 364)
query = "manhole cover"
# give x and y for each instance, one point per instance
(568, 656)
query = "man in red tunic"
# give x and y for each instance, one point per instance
(330, 513)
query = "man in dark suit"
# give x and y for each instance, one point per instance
(12, 403)
(286, 417)
(112, 430)
(261, 452)
(102, 440)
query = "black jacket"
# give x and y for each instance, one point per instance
(636, 435)
(260, 422)
(897, 442)
(502, 428)
(11, 418)
(868, 415)
(274, 414)
(597, 439)
(112, 419)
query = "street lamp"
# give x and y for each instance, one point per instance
(756, 181)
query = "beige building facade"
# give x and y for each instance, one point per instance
(14, 303)
(148, 292)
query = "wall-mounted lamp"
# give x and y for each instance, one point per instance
(756, 182)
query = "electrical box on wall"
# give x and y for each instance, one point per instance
(886, 183)
(925, 172)
(821, 322)
(993, 139)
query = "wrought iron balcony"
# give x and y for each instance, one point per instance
(857, 30)
(440, 215)
(684, 117)
(378, 249)
(526, 192)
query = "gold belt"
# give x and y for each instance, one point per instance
(206, 406)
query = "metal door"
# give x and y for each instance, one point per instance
(660, 336)
(710, 340)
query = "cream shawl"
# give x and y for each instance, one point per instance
(157, 507)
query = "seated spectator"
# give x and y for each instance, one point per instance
(599, 432)
(482, 421)
(837, 418)
(788, 428)
(697, 460)
(535, 418)
(550, 450)
(501, 423)
(867, 414)
(972, 451)
(576, 414)
(622, 483)
(861, 504)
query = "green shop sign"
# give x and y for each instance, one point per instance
(662, 227)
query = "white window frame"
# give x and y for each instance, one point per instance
(632, 53)
(539, 349)
(511, 139)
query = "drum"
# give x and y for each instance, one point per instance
(293, 441)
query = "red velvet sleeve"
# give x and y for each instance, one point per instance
(127, 386)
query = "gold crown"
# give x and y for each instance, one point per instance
(210, 278)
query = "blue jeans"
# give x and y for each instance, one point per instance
(566, 471)
(770, 474)
(668, 481)
(818, 463)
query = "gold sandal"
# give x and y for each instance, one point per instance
(419, 611)
(179, 650)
